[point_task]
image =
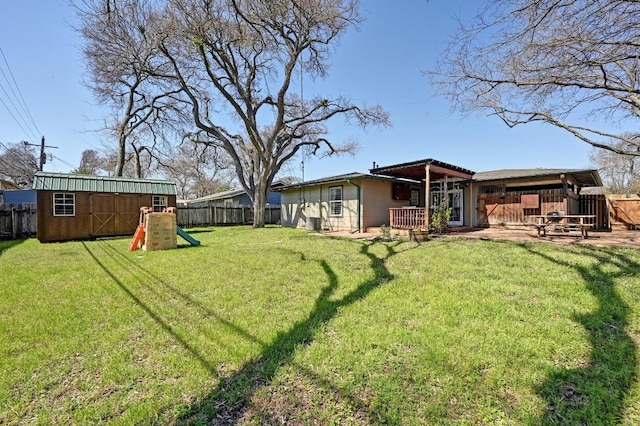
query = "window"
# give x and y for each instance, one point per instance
(335, 201)
(159, 203)
(64, 204)
(415, 197)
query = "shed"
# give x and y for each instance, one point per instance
(81, 207)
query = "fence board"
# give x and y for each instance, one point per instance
(17, 220)
(510, 210)
(214, 215)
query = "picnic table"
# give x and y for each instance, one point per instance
(563, 223)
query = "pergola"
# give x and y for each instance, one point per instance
(427, 170)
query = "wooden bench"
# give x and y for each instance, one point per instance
(564, 227)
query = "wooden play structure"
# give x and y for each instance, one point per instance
(158, 231)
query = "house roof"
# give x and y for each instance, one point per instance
(415, 170)
(335, 179)
(48, 181)
(5, 184)
(218, 196)
(584, 177)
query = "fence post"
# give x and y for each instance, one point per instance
(14, 223)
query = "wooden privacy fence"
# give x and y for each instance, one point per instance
(595, 204)
(624, 211)
(17, 220)
(509, 209)
(192, 216)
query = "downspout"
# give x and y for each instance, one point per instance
(359, 190)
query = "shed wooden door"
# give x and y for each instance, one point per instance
(103, 214)
(114, 214)
(127, 210)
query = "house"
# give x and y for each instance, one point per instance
(388, 195)
(396, 195)
(80, 207)
(18, 196)
(4, 185)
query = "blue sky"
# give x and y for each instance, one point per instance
(381, 63)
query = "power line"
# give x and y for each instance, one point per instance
(30, 123)
(24, 104)
(62, 161)
(16, 120)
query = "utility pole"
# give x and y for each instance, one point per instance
(43, 157)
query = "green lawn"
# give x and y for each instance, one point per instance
(275, 325)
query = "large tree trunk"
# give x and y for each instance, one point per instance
(122, 140)
(259, 204)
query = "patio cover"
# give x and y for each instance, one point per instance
(415, 170)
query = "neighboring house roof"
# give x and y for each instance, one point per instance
(5, 184)
(48, 181)
(584, 177)
(227, 194)
(217, 196)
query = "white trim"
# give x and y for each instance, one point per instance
(62, 204)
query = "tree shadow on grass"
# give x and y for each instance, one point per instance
(595, 393)
(227, 403)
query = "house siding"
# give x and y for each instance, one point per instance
(377, 199)
(300, 204)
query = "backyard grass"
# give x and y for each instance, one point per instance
(275, 325)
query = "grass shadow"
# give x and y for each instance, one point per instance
(228, 402)
(8, 244)
(142, 276)
(595, 393)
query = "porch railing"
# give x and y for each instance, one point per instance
(408, 218)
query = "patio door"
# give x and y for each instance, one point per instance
(457, 207)
(454, 198)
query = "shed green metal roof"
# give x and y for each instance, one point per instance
(47, 181)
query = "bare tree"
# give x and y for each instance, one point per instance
(573, 64)
(91, 163)
(18, 164)
(620, 173)
(235, 61)
(197, 169)
(121, 58)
